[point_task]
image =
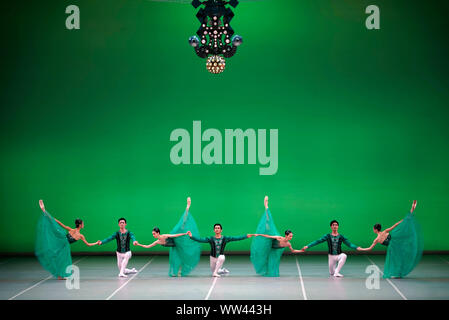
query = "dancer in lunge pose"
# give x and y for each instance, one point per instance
(404, 245)
(334, 240)
(53, 240)
(267, 246)
(123, 238)
(217, 246)
(184, 253)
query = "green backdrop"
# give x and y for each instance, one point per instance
(86, 117)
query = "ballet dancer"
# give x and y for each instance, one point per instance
(404, 245)
(217, 245)
(184, 254)
(123, 238)
(267, 246)
(334, 240)
(52, 247)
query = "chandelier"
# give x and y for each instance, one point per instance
(215, 39)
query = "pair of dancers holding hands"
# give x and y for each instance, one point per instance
(53, 245)
(403, 241)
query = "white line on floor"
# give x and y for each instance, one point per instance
(43, 280)
(392, 284)
(134, 275)
(300, 278)
(211, 288)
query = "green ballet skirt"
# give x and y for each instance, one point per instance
(185, 254)
(52, 247)
(265, 252)
(404, 248)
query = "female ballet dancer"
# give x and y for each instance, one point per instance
(184, 254)
(52, 247)
(267, 246)
(404, 245)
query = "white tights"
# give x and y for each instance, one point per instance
(122, 262)
(336, 262)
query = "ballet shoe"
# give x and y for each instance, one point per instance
(339, 275)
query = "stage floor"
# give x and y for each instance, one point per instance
(302, 277)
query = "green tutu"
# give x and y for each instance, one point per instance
(404, 249)
(264, 257)
(52, 248)
(185, 254)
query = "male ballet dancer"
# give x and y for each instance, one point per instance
(337, 259)
(217, 246)
(123, 238)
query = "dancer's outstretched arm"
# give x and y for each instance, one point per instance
(112, 237)
(314, 243)
(349, 244)
(203, 240)
(87, 243)
(267, 236)
(238, 238)
(369, 248)
(293, 250)
(149, 245)
(174, 235)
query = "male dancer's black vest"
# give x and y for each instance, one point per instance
(127, 238)
(330, 246)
